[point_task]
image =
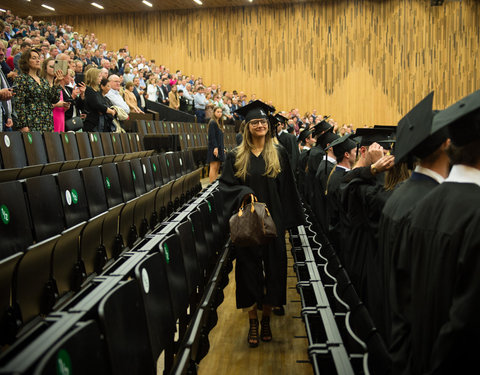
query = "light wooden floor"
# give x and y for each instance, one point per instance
(230, 354)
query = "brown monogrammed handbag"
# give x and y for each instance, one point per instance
(252, 225)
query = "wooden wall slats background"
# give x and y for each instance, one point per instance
(363, 62)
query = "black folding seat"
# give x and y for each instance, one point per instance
(45, 206)
(97, 148)
(165, 169)
(151, 128)
(15, 226)
(202, 247)
(142, 127)
(7, 315)
(170, 165)
(162, 199)
(107, 144)
(126, 180)
(156, 171)
(158, 127)
(113, 187)
(37, 154)
(95, 190)
(152, 276)
(132, 138)
(130, 187)
(14, 158)
(70, 148)
(125, 142)
(138, 177)
(148, 175)
(167, 129)
(69, 354)
(176, 195)
(117, 144)
(128, 348)
(210, 235)
(74, 199)
(85, 148)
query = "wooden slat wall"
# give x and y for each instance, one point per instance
(363, 62)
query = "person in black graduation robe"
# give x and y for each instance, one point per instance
(289, 141)
(301, 167)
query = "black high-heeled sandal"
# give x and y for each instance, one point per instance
(252, 338)
(266, 334)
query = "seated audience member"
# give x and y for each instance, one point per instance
(130, 98)
(34, 97)
(173, 98)
(95, 104)
(114, 93)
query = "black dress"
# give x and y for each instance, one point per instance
(96, 108)
(394, 288)
(215, 140)
(261, 272)
(289, 141)
(443, 246)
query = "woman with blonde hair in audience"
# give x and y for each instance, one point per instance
(216, 148)
(130, 98)
(94, 103)
(173, 100)
(152, 89)
(34, 97)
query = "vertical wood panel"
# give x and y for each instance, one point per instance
(363, 62)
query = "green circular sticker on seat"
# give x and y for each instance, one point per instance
(154, 167)
(167, 253)
(74, 196)
(66, 138)
(209, 206)
(64, 364)
(30, 138)
(134, 176)
(5, 214)
(107, 183)
(95, 137)
(148, 124)
(193, 229)
(168, 163)
(113, 139)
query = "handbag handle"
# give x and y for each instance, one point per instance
(253, 199)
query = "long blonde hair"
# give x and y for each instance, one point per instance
(270, 155)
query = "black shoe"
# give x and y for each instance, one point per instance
(279, 311)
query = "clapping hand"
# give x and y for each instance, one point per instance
(59, 76)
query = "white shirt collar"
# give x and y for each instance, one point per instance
(306, 148)
(428, 172)
(343, 167)
(330, 159)
(464, 174)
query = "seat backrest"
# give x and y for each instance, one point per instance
(74, 198)
(111, 180)
(82, 341)
(107, 144)
(165, 171)
(35, 148)
(117, 143)
(125, 142)
(70, 146)
(201, 245)
(45, 206)
(152, 276)
(175, 269)
(126, 180)
(138, 177)
(170, 165)
(54, 147)
(129, 348)
(187, 245)
(84, 146)
(132, 139)
(147, 173)
(15, 226)
(96, 144)
(142, 127)
(94, 189)
(156, 170)
(13, 150)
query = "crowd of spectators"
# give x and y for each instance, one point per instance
(128, 82)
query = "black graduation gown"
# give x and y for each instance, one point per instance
(333, 207)
(393, 221)
(314, 159)
(261, 272)
(289, 141)
(443, 246)
(300, 172)
(363, 198)
(320, 203)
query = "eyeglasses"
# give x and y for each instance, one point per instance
(257, 123)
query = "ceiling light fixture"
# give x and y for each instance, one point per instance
(97, 5)
(2, 10)
(147, 3)
(198, 2)
(48, 7)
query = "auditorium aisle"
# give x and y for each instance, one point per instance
(229, 352)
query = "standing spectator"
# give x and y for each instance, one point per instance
(152, 89)
(183, 101)
(200, 103)
(75, 96)
(114, 94)
(95, 104)
(164, 91)
(34, 97)
(23, 47)
(216, 148)
(173, 98)
(138, 91)
(130, 98)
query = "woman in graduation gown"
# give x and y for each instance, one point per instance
(258, 166)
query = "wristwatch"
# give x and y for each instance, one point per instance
(373, 169)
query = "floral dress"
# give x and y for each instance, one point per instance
(34, 103)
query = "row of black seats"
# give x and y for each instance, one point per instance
(168, 286)
(59, 229)
(331, 305)
(25, 155)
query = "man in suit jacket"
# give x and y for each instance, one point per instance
(163, 97)
(7, 113)
(97, 58)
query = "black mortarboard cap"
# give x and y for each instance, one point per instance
(414, 134)
(327, 138)
(462, 120)
(303, 135)
(322, 126)
(342, 144)
(367, 136)
(281, 118)
(255, 110)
